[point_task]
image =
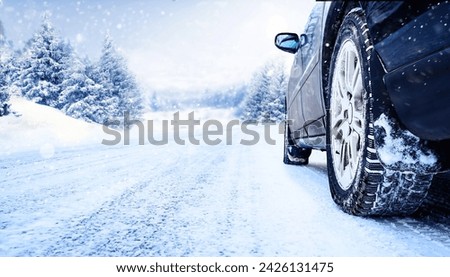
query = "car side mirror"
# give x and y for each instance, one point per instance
(290, 42)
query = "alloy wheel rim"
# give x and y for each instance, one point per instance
(347, 109)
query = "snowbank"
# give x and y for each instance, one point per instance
(42, 128)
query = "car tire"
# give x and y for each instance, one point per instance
(293, 154)
(359, 183)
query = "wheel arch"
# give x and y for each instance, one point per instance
(334, 17)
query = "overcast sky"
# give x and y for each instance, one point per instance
(184, 44)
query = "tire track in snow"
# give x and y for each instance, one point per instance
(144, 218)
(46, 184)
(35, 166)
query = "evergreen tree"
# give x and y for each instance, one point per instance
(42, 65)
(120, 92)
(80, 93)
(154, 102)
(6, 71)
(275, 100)
(97, 93)
(257, 92)
(266, 93)
(49, 72)
(250, 109)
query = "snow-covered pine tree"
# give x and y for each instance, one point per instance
(73, 86)
(42, 65)
(6, 71)
(154, 102)
(120, 91)
(275, 100)
(265, 101)
(252, 106)
(80, 93)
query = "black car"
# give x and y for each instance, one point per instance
(370, 84)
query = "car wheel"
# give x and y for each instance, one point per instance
(359, 183)
(293, 154)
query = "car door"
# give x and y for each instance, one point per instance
(307, 107)
(312, 104)
(295, 114)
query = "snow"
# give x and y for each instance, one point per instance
(87, 199)
(36, 127)
(402, 146)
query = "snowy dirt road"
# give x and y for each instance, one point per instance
(172, 200)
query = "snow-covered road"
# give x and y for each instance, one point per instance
(172, 200)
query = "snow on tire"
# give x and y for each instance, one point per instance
(359, 182)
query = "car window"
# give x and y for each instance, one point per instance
(312, 34)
